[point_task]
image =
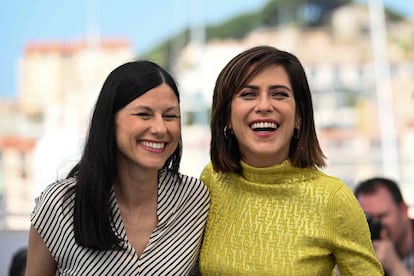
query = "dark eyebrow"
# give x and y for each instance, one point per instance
(140, 108)
(173, 108)
(272, 87)
(146, 108)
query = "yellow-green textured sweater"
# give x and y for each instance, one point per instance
(284, 220)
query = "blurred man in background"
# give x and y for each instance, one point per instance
(381, 200)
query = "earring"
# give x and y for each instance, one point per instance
(227, 131)
(296, 133)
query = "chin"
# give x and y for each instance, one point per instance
(153, 165)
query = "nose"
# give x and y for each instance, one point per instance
(264, 105)
(158, 126)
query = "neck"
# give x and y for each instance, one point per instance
(135, 191)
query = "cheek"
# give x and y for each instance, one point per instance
(239, 109)
(291, 122)
(122, 130)
(175, 130)
(391, 220)
(118, 134)
(236, 119)
(122, 141)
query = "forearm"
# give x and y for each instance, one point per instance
(398, 269)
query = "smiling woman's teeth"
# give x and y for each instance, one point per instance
(152, 144)
(264, 126)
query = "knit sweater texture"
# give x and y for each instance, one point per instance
(284, 220)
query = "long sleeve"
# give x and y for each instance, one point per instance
(352, 245)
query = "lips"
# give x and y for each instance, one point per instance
(153, 145)
(264, 126)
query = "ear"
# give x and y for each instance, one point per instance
(404, 208)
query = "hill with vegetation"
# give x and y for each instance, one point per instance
(303, 13)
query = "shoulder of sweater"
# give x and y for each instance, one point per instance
(207, 170)
(321, 180)
(342, 191)
(329, 178)
(209, 176)
(326, 178)
(208, 167)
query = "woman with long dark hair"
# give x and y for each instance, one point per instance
(124, 209)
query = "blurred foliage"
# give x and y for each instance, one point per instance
(304, 13)
(237, 27)
(163, 54)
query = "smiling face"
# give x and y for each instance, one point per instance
(263, 116)
(148, 129)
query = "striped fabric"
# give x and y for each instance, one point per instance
(173, 246)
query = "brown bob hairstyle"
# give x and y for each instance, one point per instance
(224, 149)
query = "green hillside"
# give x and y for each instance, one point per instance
(304, 13)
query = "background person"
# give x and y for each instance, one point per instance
(381, 199)
(18, 262)
(272, 211)
(124, 209)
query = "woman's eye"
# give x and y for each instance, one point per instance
(171, 116)
(280, 94)
(143, 115)
(247, 94)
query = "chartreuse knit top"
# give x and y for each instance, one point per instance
(284, 220)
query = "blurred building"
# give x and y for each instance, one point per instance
(43, 133)
(70, 74)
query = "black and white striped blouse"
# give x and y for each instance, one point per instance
(172, 248)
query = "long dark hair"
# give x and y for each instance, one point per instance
(97, 168)
(224, 151)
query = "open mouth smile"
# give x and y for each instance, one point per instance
(153, 145)
(264, 126)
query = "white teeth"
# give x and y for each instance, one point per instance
(152, 144)
(264, 125)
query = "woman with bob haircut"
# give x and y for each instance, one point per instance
(124, 208)
(273, 211)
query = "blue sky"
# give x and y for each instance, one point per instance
(144, 23)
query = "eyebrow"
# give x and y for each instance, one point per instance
(146, 108)
(276, 86)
